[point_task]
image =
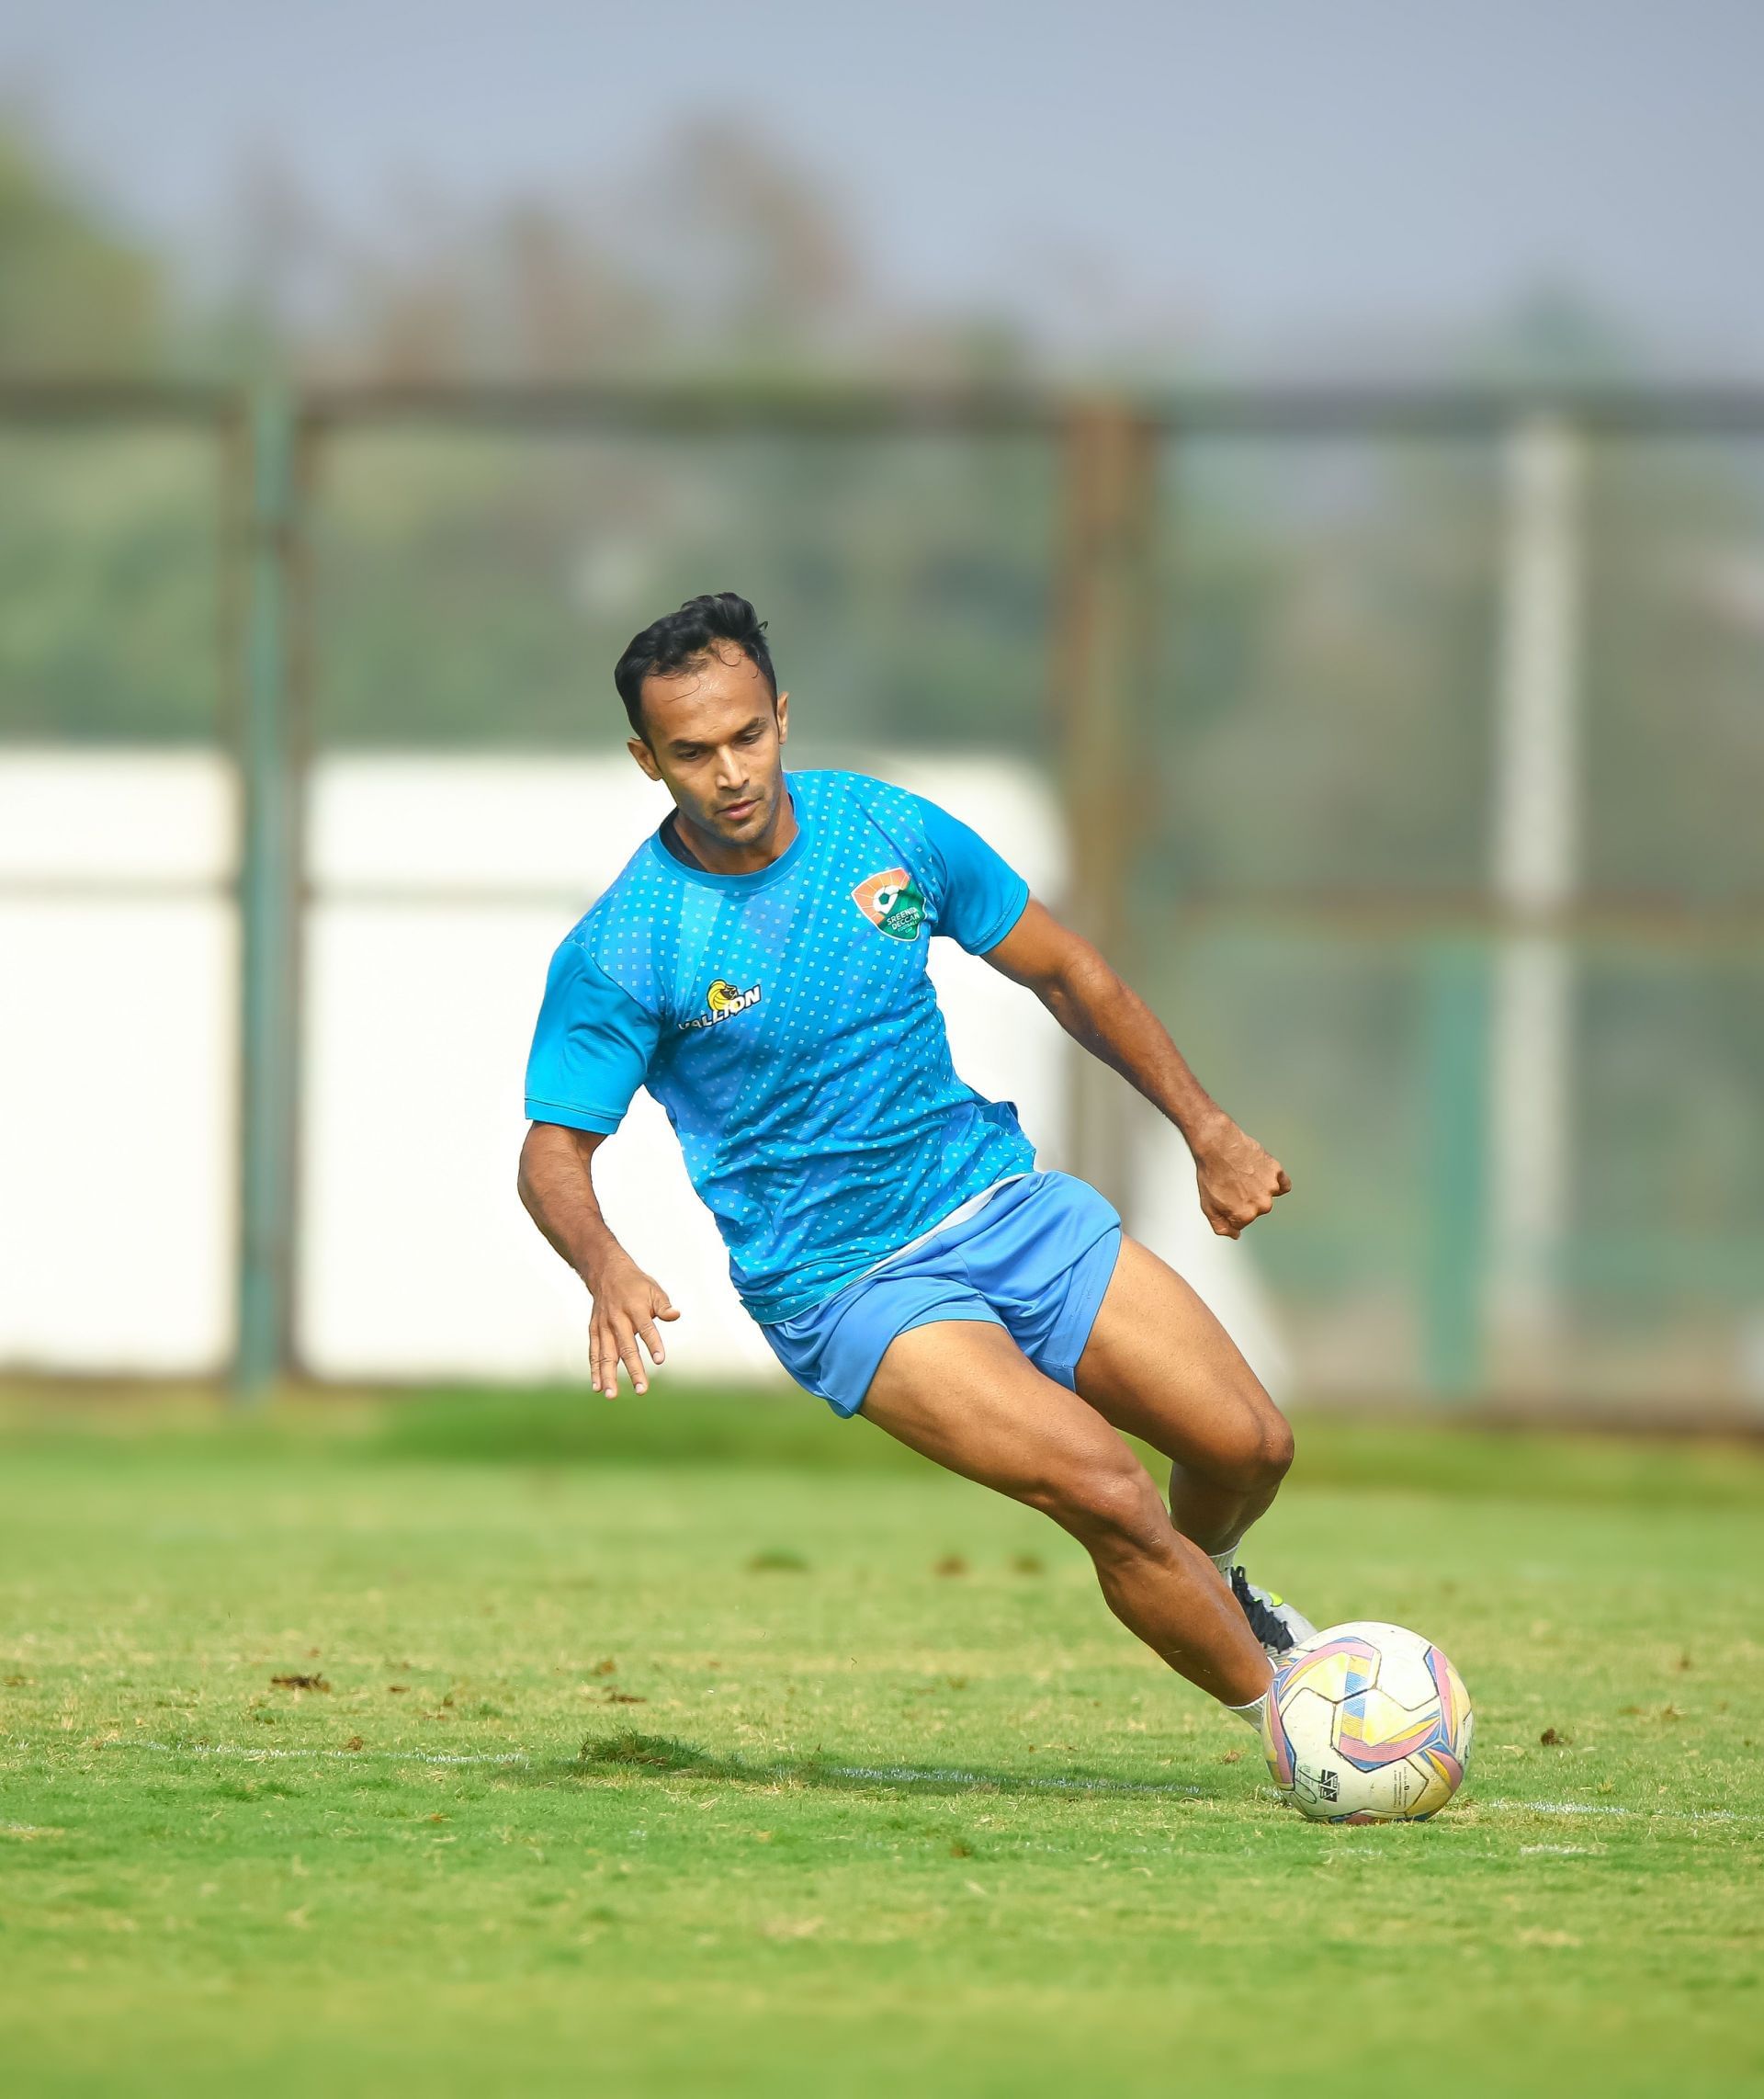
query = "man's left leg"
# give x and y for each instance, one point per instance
(963, 1394)
(1159, 1366)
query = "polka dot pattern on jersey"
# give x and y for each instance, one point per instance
(792, 1034)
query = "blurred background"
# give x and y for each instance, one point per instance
(1293, 476)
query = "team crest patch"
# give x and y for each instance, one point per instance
(892, 903)
(723, 1001)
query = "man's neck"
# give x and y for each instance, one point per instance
(700, 849)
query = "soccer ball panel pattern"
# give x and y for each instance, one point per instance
(1367, 1722)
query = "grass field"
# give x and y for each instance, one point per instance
(708, 1747)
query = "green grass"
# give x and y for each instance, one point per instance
(710, 1747)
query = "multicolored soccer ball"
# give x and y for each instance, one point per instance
(1368, 1723)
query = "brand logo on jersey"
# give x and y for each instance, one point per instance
(724, 1002)
(892, 903)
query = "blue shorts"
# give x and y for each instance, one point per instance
(1034, 1260)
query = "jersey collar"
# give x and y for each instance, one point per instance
(740, 885)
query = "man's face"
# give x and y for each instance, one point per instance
(716, 741)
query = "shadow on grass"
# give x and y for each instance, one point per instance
(602, 1756)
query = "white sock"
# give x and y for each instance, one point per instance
(1250, 1715)
(1224, 1561)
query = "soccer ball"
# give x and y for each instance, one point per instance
(1368, 1723)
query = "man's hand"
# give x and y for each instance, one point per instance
(557, 1186)
(1236, 1179)
(628, 1304)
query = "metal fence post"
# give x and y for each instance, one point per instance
(268, 905)
(1102, 657)
(1539, 784)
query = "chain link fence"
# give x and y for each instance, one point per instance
(1406, 750)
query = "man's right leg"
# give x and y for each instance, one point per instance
(965, 1394)
(1159, 1366)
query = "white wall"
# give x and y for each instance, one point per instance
(118, 1088)
(441, 886)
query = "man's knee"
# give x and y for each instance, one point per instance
(1110, 1506)
(1273, 1457)
(1251, 1451)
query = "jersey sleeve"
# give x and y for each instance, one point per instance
(983, 895)
(591, 1047)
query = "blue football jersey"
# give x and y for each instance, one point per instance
(786, 1022)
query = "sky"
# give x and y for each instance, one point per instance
(1268, 178)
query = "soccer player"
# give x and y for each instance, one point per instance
(759, 965)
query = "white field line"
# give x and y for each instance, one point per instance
(1625, 1814)
(248, 1754)
(893, 1774)
(907, 1775)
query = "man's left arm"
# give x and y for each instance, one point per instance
(1239, 1182)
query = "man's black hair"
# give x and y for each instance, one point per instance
(673, 641)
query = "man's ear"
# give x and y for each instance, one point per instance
(784, 717)
(645, 758)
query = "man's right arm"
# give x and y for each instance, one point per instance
(556, 1186)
